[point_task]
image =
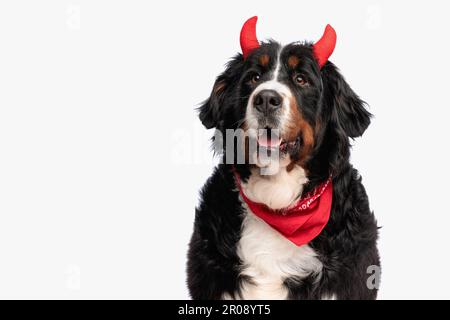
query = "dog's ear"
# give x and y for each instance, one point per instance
(211, 109)
(349, 109)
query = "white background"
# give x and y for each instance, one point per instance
(102, 154)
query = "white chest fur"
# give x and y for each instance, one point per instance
(269, 258)
(276, 191)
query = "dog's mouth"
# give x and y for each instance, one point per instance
(271, 140)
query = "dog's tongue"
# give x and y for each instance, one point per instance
(269, 142)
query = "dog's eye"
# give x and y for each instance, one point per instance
(256, 77)
(300, 80)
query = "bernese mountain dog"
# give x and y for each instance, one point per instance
(289, 218)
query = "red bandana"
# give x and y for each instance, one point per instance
(300, 222)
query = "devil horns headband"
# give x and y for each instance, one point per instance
(322, 48)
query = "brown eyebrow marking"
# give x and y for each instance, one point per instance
(293, 61)
(264, 60)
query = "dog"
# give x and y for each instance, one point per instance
(302, 229)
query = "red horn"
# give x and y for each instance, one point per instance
(325, 46)
(248, 39)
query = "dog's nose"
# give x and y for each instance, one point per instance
(267, 101)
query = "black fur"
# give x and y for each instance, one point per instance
(347, 245)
